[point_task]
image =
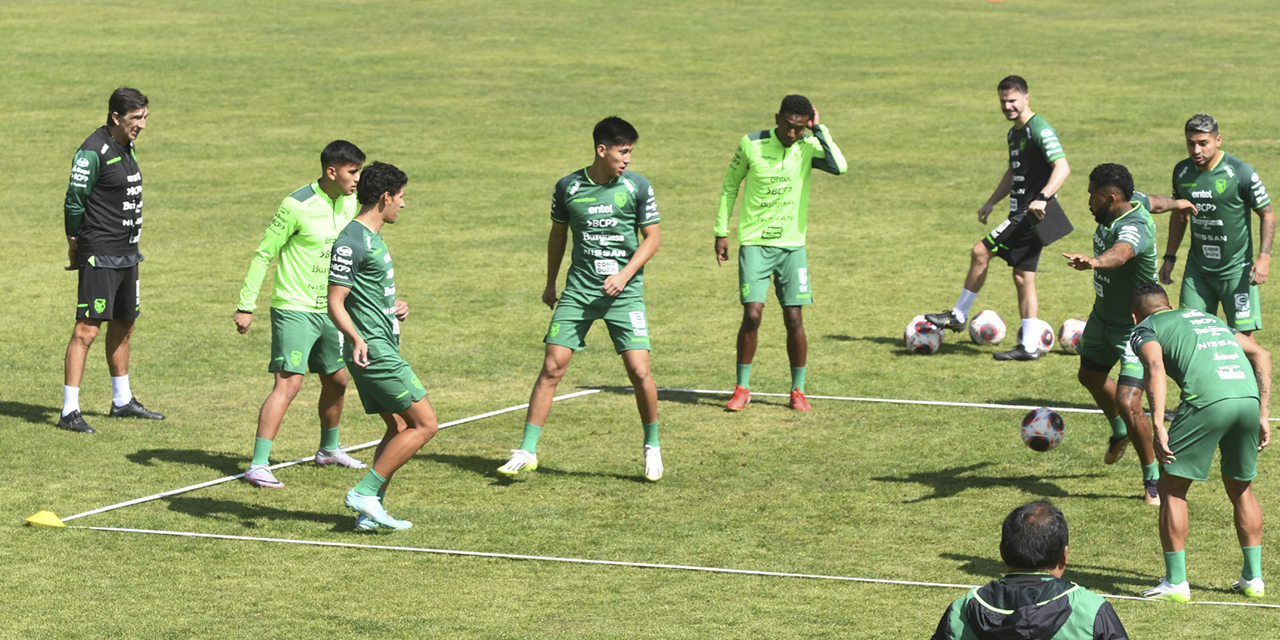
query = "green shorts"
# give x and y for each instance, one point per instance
(788, 266)
(1102, 345)
(1236, 294)
(625, 318)
(1230, 425)
(388, 384)
(301, 340)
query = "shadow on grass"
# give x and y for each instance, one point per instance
(251, 516)
(224, 463)
(35, 414)
(488, 467)
(1041, 402)
(679, 397)
(952, 347)
(1094, 577)
(950, 482)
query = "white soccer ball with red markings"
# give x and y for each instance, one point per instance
(1046, 340)
(1069, 335)
(922, 337)
(987, 328)
(1042, 429)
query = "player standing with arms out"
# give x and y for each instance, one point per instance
(1224, 406)
(1037, 169)
(103, 219)
(613, 217)
(776, 165)
(363, 306)
(302, 336)
(1224, 190)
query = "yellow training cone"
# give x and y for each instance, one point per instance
(45, 519)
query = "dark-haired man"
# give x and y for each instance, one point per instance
(1221, 268)
(1032, 601)
(1124, 256)
(1037, 169)
(613, 217)
(302, 336)
(1224, 407)
(363, 306)
(103, 221)
(776, 165)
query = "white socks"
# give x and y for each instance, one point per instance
(70, 399)
(120, 393)
(1030, 339)
(961, 310)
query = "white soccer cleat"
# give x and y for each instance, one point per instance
(652, 463)
(1250, 588)
(521, 461)
(259, 475)
(325, 457)
(371, 507)
(1180, 592)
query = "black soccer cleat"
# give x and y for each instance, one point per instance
(945, 320)
(134, 409)
(74, 422)
(1151, 492)
(1115, 449)
(1017, 353)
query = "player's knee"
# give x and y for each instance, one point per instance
(551, 373)
(979, 254)
(639, 375)
(751, 315)
(426, 430)
(793, 318)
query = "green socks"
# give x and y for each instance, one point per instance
(261, 451)
(1252, 563)
(329, 438)
(1150, 471)
(371, 484)
(1118, 429)
(531, 433)
(797, 378)
(1175, 566)
(744, 375)
(651, 433)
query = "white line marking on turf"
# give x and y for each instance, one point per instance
(615, 563)
(371, 443)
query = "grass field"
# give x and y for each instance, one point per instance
(486, 104)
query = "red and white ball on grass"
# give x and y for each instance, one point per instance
(921, 337)
(1042, 429)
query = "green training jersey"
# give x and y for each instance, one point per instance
(605, 222)
(1222, 229)
(1200, 354)
(301, 234)
(1033, 148)
(775, 202)
(362, 263)
(1114, 286)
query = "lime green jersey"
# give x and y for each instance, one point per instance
(775, 202)
(1222, 230)
(1200, 354)
(1114, 286)
(362, 264)
(301, 234)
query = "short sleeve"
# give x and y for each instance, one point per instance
(559, 208)
(646, 204)
(348, 253)
(1252, 191)
(1047, 138)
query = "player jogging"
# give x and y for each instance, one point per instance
(776, 165)
(103, 220)
(1220, 264)
(363, 306)
(613, 217)
(302, 336)
(1037, 169)
(1226, 389)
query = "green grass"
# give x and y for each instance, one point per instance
(485, 105)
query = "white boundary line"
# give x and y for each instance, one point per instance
(615, 563)
(371, 443)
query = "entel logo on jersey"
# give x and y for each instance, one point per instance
(602, 208)
(1202, 194)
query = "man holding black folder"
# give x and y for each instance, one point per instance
(1037, 170)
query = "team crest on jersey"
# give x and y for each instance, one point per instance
(295, 357)
(620, 199)
(1220, 185)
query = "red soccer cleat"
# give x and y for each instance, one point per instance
(798, 401)
(738, 401)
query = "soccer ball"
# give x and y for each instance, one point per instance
(1070, 333)
(986, 328)
(1046, 334)
(1042, 429)
(921, 337)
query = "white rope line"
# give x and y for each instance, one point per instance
(615, 563)
(366, 445)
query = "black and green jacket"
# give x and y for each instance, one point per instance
(1030, 606)
(103, 207)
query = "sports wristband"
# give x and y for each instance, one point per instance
(1170, 257)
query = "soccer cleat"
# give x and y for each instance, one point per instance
(1250, 588)
(652, 464)
(325, 457)
(259, 475)
(798, 401)
(1180, 592)
(1115, 449)
(1150, 493)
(134, 409)
(520, 462)
(371, 507)
(365, 523)
(740, 398)
(945, 320)
(1016, 353)
(74, 422)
